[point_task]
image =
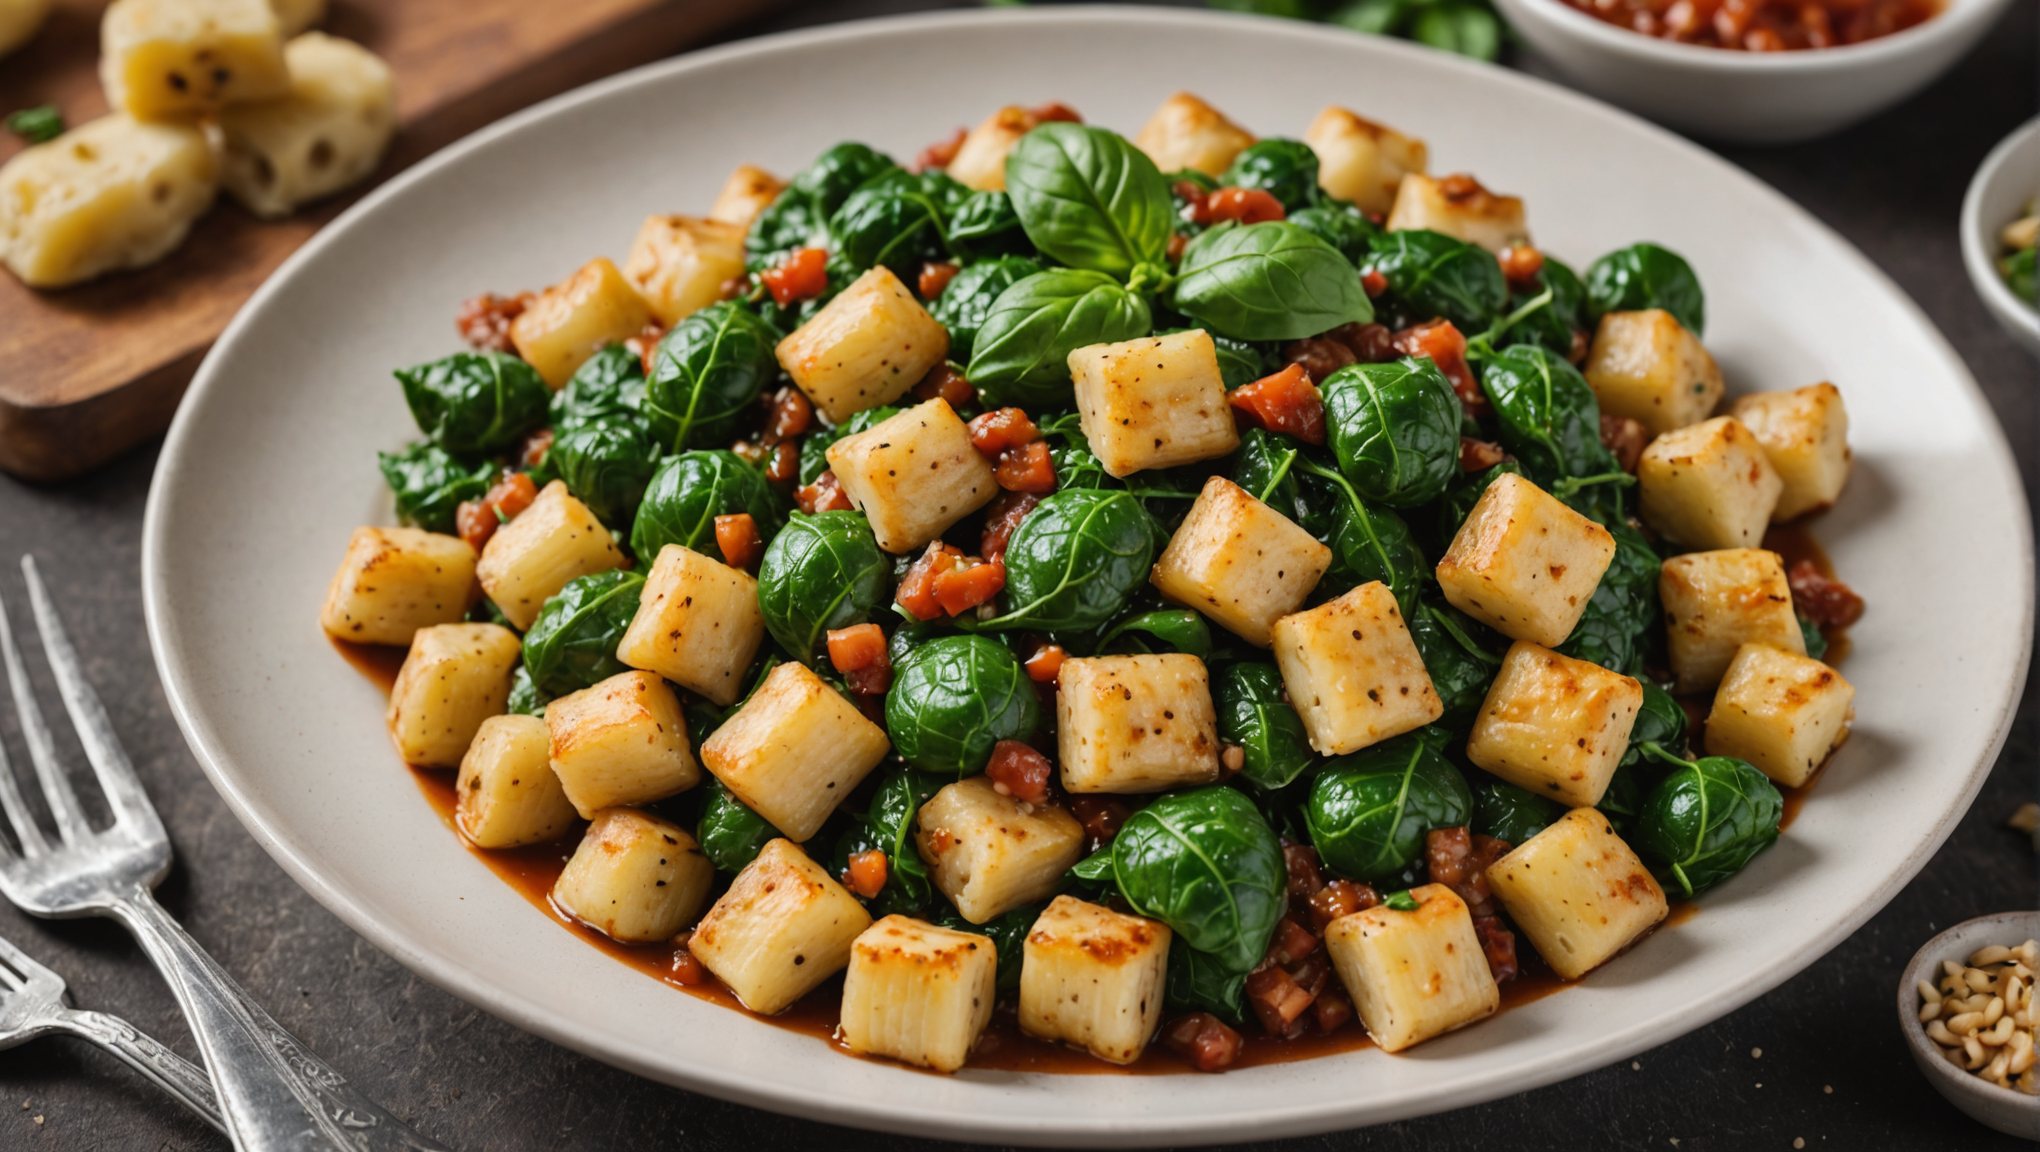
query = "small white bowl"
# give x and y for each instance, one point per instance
(1749, 97)
(1998, 194)
(2007, 1110)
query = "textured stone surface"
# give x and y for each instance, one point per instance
(1892, 186)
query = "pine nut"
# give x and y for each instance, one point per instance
(1998, 1036)
(1975, 1051)
(1995, 1070)
(1977, 979)
(1993, 1010)
(2021, 1049)
(1993, 954)
(1966, 1023)
(1929, 993)
(1937, 1031)
(1930, 1011)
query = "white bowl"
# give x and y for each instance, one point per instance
(2009, 1111)
(1749, 97)
(1998, 194)
(270, 465)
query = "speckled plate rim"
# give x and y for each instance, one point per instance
(1537, 1045)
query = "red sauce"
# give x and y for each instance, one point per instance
(1763, 25)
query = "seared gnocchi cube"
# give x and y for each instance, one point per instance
(1185, 132)
(918, 993)
(532, 557)
(980, 163)
(783, 927)
(1353, 672)
(394, 581)
(1708, 485)
(109, 194)
(1155, 402)
(1460, 208)
(454, 677)
(1131, 724)
(1413, 975)
(749, 191)
(1094, 979)
(794, 750)
(679, 264)
(1240, 562)
(634, 877)
(576, 318)
(1361, 161)
(864, 348)
(1554, 725)
(1524, 563)
(990, 853)
(914, 475)
(697, 624)
(1715, 602)
(507, 794)
(1782, 713)
(1578, 892)
(165, 59)
(1805, 434)
(621, 741)
(1646, 366)
(327, 133)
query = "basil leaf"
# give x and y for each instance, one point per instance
(1271, 281)
(1089, 199)
(1022, 350)
(1177, 629)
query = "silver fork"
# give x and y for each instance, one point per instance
(273, 1092)
(32, 1005)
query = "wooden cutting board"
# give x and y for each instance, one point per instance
(88, 372)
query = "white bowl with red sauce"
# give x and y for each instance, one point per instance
(1746, 97)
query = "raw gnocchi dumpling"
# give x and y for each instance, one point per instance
(165, 59)
(112, 193)
(327, 133)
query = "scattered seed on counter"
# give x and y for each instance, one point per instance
(1981, 1015)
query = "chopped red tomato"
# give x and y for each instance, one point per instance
(1054, 110)
(1826, 601)
(737, 537)
(1292, 942)
(1017, 770)
(1177, 246)
(1446, 347)
(1521, 263)
(945, 383)
(1277, 999)
(802, 276)
(783, 467)
(968, 585)
(1331, 1009)
(1204, 1040)
(1000, 429)
(1026, 468)
(859, 652)
(645, 345)
(532, 453)
(1246, 205)
(1002, 516)
(512, 495)
(1285, 402)
(1046, 664)
(1373, 282)
(484, 321)
(792, 414)
(477, 520)
(935, 277)
(1340, 898)
(1478, 455)
(942, 153)
(686, 969)
(917, 589)
(866, 874)
(824, 495)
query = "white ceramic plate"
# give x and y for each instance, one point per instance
(271, 463)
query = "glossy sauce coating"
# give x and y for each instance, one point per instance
(1763, 25)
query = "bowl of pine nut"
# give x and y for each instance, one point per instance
(1968, 1008)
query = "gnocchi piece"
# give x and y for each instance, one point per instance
(1240, 562)
(794, 750)
(918, 993)
(622, 741)
(1554, 725)
(1460, 208)
(507, 795)
(532, 557)
(749, 191)
(990, 853)
(454, 677)
(1782, 713)
(576, 318)
(1646, 366)
(166, 59)
(1805, 434)
(1524, 563)
(634, 877)
(697, 624)
(1132, 724)
(295, 16)
(1093, 978)
(1715, 602)
(326, 134)
(914, 475)
(1708, 485)
(1353, 672)
(1155, 402)
(980, 164)
(1185, 132)
(1578, 892)
(109, 194)
(1413, 975)
(783, 927)
(864, 348)
(394, 581)
(1361, 161)
(679, 264)
(20, 20)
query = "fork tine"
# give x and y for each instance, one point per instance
(16, 966)
(95, 731)
(18, 815)
(42, 750)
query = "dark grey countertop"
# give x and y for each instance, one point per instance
(1832, 1071)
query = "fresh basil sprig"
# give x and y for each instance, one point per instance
(1089, 199)
(1021, 352)
(1271, 281)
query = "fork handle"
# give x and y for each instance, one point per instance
(275, 1094)
(170, 1072)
